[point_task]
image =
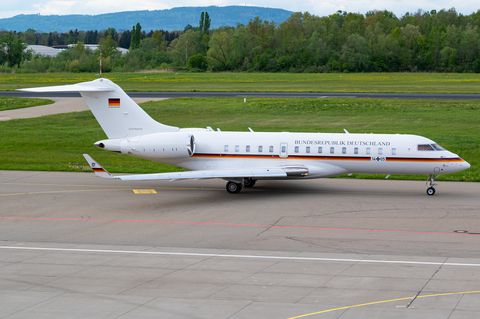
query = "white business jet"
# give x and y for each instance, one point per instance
(242, 158)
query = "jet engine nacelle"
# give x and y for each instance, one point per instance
(159, 145)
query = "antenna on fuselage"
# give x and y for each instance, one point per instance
(100, 64)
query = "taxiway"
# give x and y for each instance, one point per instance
(72, 245)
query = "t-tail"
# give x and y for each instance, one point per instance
(118, 115)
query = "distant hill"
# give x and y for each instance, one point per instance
(168, 20)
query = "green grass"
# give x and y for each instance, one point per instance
(57, 142)
(264, 82)
(10, 103)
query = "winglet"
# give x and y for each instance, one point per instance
(97, 168)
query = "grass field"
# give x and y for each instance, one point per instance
(264, 82)
(10, 103)
(57, 142)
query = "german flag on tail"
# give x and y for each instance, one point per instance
(113, 102)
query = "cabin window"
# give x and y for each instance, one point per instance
(270, 149)
(237, 148)
(380, 151)
(344, 150)
(355, 150)
(226, 148)
(260, 149)
(247, 148)
(320, 150)
(332, 150)
(284, 149)
(296, 149)
(368, 150)
(308, 149)
(425, 147)
(394, 151)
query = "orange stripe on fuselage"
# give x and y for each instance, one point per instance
(424, 160)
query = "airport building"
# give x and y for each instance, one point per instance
(53, 51)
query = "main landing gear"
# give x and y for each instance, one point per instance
(248, 182)
(430, 185)
(234, 188)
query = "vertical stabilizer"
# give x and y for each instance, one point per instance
(118, 115)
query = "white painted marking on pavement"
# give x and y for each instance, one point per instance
(241, 256)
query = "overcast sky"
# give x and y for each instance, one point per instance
(317, 7)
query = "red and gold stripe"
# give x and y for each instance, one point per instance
(332, 158)
(424, 160)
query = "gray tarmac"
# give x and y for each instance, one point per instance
(61, 105)
(170, 95)
(76, 246)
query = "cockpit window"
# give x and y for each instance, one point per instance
(430, 147)
(425, 147)
(438, 147)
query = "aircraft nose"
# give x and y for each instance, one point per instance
(466, 164)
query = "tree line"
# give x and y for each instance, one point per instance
(378, 41)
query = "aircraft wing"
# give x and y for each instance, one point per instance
(266, 172)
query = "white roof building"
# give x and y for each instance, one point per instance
(44, 50)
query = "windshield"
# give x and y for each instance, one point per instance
(438, 147)
(425, 147)
(430, 147)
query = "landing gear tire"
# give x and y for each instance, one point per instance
(430, 185)
(430, 191)
(234, 188)
(248, 182)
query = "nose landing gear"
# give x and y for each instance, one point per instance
(430, 185)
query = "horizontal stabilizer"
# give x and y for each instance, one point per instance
(79, 87)
(118, 115)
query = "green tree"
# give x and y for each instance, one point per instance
(108, 47)
(221, 47)
(179, 46)
(198, 61)
(203, 36)
(355, 53)
(29, 36)
(13, 48)
(159, 38)
(136, 37)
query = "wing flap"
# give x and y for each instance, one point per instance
(208, 174)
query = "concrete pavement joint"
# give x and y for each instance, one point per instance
(420, 291)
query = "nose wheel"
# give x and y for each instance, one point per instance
(430, 185)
